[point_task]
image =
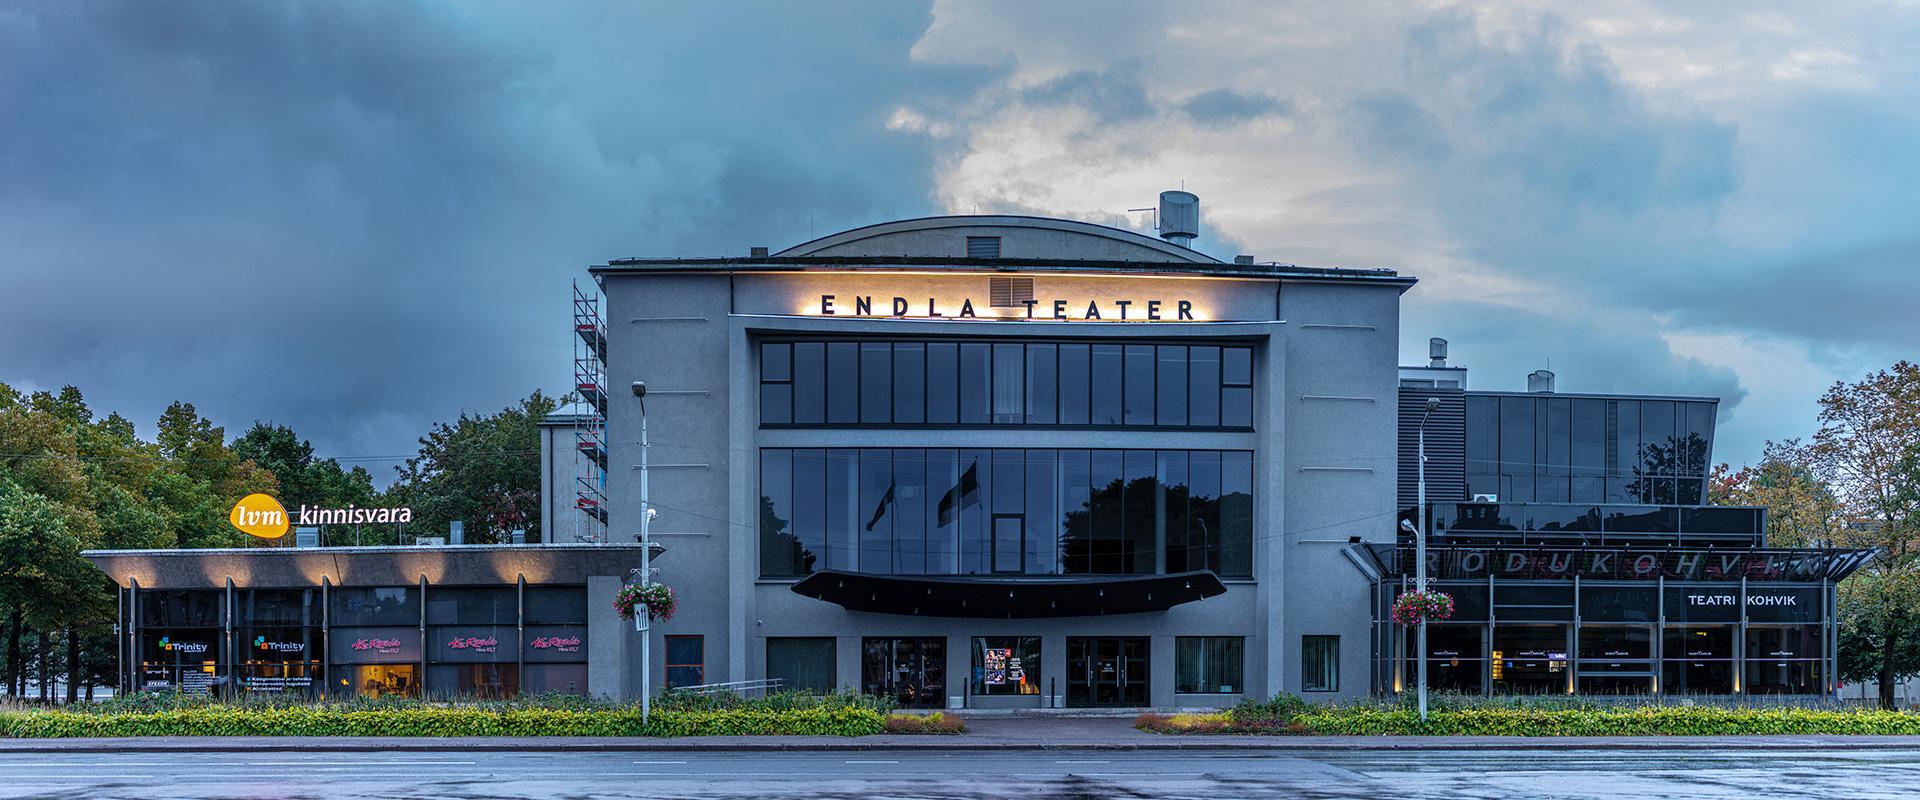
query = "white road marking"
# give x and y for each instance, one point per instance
(873, 762)
(1082, 762)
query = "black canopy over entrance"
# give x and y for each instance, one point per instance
(1009, 596)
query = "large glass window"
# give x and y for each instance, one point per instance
(803, 664)
(1319, 663)
(1006, 665)
(397, 605)
(1529, 659)
(1455, 657)
(977, 511)
(1209, 664)
(912, 671)
(1005, 383)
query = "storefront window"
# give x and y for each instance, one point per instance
(912, 671)
(1208, 664)
(1454, 657)
(379, 680)
(353, 607)
(1529, 659)
(1006, 665)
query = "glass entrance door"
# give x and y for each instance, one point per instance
(912, 671)
(1107, 671)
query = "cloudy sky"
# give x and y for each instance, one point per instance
(358, 218)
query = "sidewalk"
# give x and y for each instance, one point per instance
(984, 733)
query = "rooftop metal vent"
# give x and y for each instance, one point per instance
(1437, 352)
(1009, 292)
(983, 247)
(1541, 381)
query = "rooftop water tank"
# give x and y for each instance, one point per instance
(1179, 217)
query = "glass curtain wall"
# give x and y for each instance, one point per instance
(1006, 511)
(896, 383)
(1549, 449)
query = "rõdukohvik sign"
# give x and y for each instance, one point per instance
(1622, 564)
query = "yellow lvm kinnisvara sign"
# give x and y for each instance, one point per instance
(261, 515)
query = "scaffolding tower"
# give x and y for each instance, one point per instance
(590, 417)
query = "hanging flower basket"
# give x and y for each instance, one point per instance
(656, 598)
(1415, 607)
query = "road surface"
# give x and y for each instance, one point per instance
(1837, 772)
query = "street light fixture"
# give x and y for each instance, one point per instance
(641, 622)
(1420, 546)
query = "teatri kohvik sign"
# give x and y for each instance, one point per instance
(261, 515)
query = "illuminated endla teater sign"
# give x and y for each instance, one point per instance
(1114, 310)
(261, 515)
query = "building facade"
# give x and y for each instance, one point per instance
(1575, 535)
(1016, 462)
(1008, 462)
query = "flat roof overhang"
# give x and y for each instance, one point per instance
(289, 567)
(1008, 596)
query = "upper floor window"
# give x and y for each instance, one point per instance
(966, 383)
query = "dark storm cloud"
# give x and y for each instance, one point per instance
(1226, 107)
(359, 218)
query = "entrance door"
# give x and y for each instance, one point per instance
(913, 671)
(1107, 671)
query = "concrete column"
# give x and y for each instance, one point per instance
(608, 641)
(1160, 662)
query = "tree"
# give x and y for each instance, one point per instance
(304, 480)
(1868, 451)
(481, 470)
(1802, 510)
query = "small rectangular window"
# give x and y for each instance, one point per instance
(686, 661)
(983, 247)
(1209, 664)
(1319, 663)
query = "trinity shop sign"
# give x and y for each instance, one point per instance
(1113, 310)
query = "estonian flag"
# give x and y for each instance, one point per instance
(966, 494)
(881, 509)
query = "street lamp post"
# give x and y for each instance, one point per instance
(1419, 544)
(641, 621)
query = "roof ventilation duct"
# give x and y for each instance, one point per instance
(1540, 381)
(1437, 352)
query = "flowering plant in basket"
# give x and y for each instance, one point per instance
(1413, 607)
(656, 598)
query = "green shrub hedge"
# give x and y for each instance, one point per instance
(832, 715)
(1637, 721)
(1453, 716)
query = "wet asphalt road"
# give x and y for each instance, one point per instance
(1213, 775)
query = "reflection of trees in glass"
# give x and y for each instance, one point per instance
(1114, 532)
(1660, 463)
(781, 552)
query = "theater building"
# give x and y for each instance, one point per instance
(1006, 462)
(1019, 462)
